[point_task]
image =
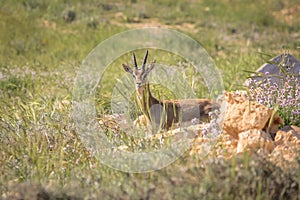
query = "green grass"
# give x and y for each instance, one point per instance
(40, 54)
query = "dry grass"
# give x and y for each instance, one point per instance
(41, 156)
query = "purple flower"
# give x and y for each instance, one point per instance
(286, 95)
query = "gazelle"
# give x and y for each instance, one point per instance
(165, 113)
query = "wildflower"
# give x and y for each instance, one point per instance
(213, 129)
(285, 96)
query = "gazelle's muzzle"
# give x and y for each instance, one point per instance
(138, 85)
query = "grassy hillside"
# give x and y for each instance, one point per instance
(42, 46)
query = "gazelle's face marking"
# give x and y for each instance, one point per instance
(139, 74)
(139, 78)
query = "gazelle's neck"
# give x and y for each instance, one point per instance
(145, 99)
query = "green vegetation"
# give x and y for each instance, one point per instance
(42, 45)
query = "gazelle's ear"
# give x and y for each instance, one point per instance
(151, 66)
(127, 69)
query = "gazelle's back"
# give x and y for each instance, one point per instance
(190, 109)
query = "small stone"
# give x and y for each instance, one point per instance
(69, 16)
(254, 140)
(287, 150)
(288, 138)
(141, 121)
(123, 147)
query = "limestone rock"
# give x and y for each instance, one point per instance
(201, 144)
(287, 148)
(110, 122)
(192, 130)
(123, 147)
(242, 115)
(142, 120)
(254, 140)
(226, 146)
(289, 138)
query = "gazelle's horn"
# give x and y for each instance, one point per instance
(145, 60)
(134, 61)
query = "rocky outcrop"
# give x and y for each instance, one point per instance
(247, 127)
(251, 127)
(242, 115)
